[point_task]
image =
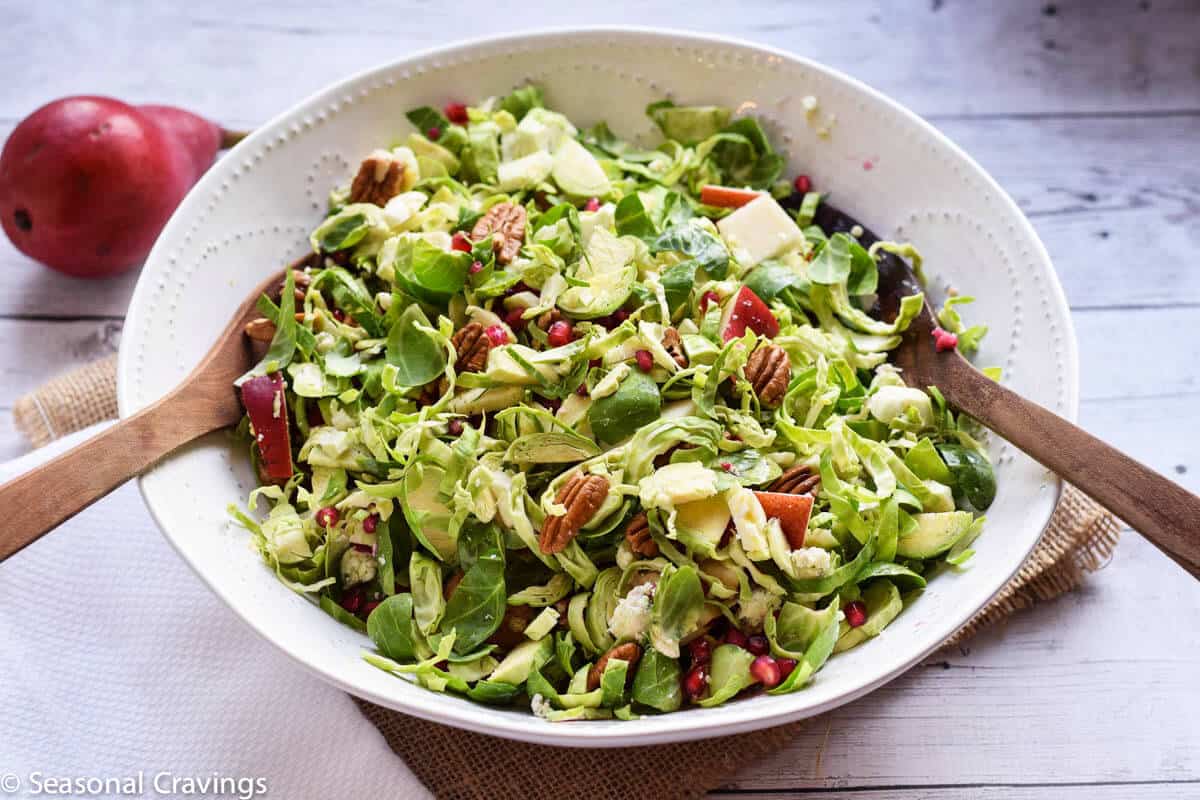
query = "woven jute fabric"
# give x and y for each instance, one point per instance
(460, 765)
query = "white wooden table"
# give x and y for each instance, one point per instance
(1088, 113)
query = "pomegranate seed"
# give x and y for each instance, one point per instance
(476, 267)
(582, 389)
(433, 134)
(517, 288)
(645, 361)
(339, 315)
(708, 298)
(371, 606)
(765, 671)
(352, 600)
(734, 636)
(460, 242)
(327, 517)
(786, 665)
(456, 113)
(514, 318)
(943, 340)
(371, 523)
(497, 334)
(595, 362)
(856, 613)
(363, 548)
(725, 465)
(454, 427)
(700, 650)
(696, 682)
(553, 404)
(621, 315)
(560, 333)
(758, 645)
(803, 184)
(592, 205)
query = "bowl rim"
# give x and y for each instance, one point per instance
(671, 727)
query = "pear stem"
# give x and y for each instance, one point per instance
(230, 138)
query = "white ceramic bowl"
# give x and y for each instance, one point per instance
(253, 210)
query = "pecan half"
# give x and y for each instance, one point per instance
(548, 318)
(379, 179)
(581, 495)
(506, 222)
(472, 345)
(674, 346)
(769, 372)
(512, 628)
(628, 652)
(262, 329)
(797, 480)
(637, 533)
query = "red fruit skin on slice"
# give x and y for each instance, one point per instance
(792, 511)
(748, 311)
(270, 428)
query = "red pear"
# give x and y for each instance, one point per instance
(87, 183)
(792, 511)
(747, 311)
(266, 405)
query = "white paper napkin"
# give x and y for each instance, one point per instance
(115, 659)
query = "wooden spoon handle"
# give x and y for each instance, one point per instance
(1161, 510)
(38, 501)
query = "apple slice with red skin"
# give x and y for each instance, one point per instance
(792, 511)
(264, 400)
(747, 311)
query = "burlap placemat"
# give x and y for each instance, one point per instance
(457, 764)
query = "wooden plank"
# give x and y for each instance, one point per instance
(244, 61)
(1045, 698)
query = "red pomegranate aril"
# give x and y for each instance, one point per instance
(497, 335)
(514, 318)
(620, 315)
(371, 523)
(560, 333)
(645, 361)
(456, 113)
(764, 670)
(454, 427)
(582, 389)
(371, 606)
(433, 134)
(339, 315)
(352, 600)
(943, 340)
(856, 613)
(700, 650)
(476, 267)
(786, 665)
(758, 645)
(695, 683)
(593, 204)
(707, 299)
(734, 636)
(327, 517)
(803, 184)
(363, 548)
(460, 242)
(595, 362)
(727, 466)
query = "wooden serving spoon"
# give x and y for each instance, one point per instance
(38, 501)
(1159, 509)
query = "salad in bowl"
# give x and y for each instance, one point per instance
(596, 429)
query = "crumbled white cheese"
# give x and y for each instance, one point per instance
(540, 706)
(358, 567)
(624, 555)
(759, 230)
(811, 562)
(631, 617)
(752, 612)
